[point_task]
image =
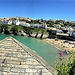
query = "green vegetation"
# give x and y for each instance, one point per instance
(50, 23)
(66, 67)
(69, 24)
(16, 29)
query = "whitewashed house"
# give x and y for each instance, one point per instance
(74, 28)
(69, 28)
(7, 22)
(59, 31)
(22, 23)
(16, 21)
(4, 22)
(10, 22)
(38, 25)
(25, 24)
(72, 34)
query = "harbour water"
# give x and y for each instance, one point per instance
(45, 50)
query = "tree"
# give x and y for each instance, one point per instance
(4, 28)
(72, 70)
(14, 29)
(50, 23)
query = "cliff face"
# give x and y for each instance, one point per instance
(39, 35)
(17, 59)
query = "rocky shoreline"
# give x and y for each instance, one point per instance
(33, 35)
(62, 44)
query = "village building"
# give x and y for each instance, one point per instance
(69, 28)
(72, 34)
(16, 21)
(59, 31)
(39, 25)
(7, 21)
(53, 31)
(57, 26)
(22, 23)
(25, 24)
(64, 29)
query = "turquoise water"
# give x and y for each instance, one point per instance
(45, 50)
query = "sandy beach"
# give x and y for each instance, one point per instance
(61, 44)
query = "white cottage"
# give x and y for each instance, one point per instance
(72, 34)
(22, 23)
(7, 22)
(25, 24)
(10, 22)
(16, 21)
(38, 25)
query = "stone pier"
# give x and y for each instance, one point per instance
(18, 59)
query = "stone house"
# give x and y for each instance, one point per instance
(53, 31)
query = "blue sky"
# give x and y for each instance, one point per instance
(46, 9)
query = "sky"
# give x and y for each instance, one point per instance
(36, 9)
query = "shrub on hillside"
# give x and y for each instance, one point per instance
(66, 67)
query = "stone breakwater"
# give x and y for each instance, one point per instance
(17, 59)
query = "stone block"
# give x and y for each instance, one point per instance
(45, 70)
(5, 73)
(4, 69)
(47, 74)
(17, 70)
(31, 70)
(15, 74)
(39, 67)
(21, 66)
